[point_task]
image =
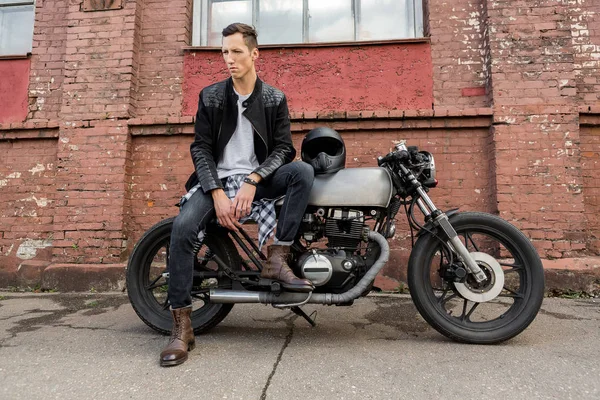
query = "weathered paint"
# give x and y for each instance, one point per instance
(14, 83)
(361, 78)
(28, 249)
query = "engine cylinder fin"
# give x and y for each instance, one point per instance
(344, 233)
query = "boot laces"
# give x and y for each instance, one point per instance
(177, 331)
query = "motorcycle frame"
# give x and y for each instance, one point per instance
(256, 256)
(252, 252)
(223, 267)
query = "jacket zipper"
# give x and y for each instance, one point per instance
(261, 138)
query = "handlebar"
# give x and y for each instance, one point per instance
(398, 155)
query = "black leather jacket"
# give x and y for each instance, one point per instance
(216, 120)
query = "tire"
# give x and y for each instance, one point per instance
(147, 289)
(445, 309)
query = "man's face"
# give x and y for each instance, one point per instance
(238, 57)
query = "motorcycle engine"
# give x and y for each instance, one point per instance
(335, 268)
(328, 266)
(344, 228)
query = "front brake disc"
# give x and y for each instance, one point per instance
(490, 288)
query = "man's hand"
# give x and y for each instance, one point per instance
(243, 201)
(225, 210)
(245, 196)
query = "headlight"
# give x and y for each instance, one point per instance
(427, 177)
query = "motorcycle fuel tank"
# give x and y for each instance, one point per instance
(352, 187)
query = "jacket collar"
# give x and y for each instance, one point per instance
(255, 93)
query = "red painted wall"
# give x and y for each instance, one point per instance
(14, 83)
(365, 78)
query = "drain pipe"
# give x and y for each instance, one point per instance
(245, 296)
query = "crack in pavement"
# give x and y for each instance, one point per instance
(382, 315)
(288, 339)
(91, 328)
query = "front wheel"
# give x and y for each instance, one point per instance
(468, 311)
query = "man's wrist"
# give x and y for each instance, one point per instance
(255, 177)
(217, 192)
(250, 181)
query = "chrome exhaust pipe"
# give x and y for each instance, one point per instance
(234, 296)
(246, 296)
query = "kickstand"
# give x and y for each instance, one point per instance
(309, 318)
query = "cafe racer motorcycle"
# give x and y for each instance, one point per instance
(472, 276)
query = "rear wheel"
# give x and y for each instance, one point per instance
(489, 312)
(147, 278)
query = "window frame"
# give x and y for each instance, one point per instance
(5, 4)
(200, 24)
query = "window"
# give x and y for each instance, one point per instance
(309, 21)
(16, 27)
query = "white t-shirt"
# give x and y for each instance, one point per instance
(238, 156)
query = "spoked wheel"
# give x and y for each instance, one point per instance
(495, 310)
(147, 279)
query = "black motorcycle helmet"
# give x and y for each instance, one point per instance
(324, 149)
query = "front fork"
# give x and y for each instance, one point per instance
(440, 220)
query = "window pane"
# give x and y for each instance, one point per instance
(16, 30)
(284, 21)
(3, 2)
(280, 21)
(330, 21)
(386, 19)
(223, 13)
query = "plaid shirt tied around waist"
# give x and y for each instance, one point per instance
(262, 211)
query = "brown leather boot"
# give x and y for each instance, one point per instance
(182, 339)
(277, 269)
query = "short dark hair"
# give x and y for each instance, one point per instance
(247, 31)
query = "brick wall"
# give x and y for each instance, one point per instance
(93, 149)
(584, 18)
(27, 171)
(590, 166)
(160, 167)
(99, 63)
(48, 60)
(535, 131)
(165, 29)
(112, 94)
(458, 51)
(90, 181)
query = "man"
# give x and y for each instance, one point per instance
(242, 138)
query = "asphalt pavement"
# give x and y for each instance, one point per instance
(93, 346)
